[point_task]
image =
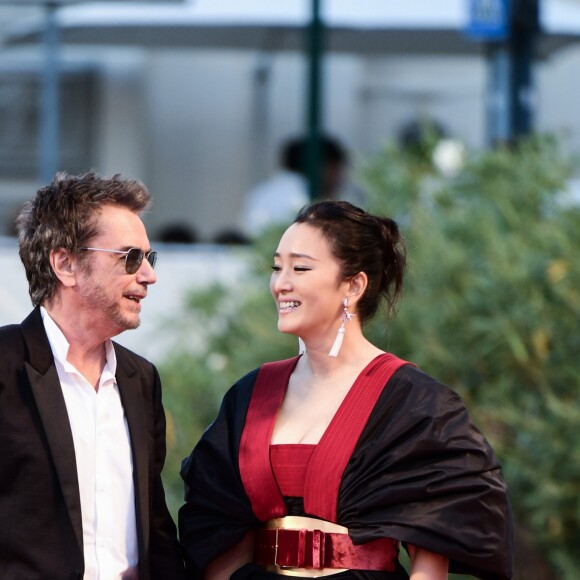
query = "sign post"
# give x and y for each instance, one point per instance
(509, 28)
(489, 20)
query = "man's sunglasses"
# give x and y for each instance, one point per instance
(133, 257)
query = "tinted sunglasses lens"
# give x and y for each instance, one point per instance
(133, 260)
(152, 258)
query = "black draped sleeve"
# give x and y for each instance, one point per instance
(217, 513)
(422, 473)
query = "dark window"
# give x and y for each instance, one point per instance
(20, 105)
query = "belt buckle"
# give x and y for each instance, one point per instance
(309, 558)
(295, 558)
(313, 537)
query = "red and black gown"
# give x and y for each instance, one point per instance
(411, 467)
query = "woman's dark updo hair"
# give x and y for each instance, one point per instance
(362, 242)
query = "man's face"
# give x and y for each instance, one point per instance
(108, 295)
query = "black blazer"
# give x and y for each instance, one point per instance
(41, 534)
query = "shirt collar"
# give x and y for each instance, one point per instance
(59, 346)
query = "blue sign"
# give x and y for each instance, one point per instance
(488, 20)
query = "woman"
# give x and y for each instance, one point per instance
(326, 463)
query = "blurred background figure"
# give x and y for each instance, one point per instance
(277, 199)
(178, 233)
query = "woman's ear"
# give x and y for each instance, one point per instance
(64, 266)
(357, 286)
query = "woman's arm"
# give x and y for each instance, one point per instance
(427, 565)
(224, 566)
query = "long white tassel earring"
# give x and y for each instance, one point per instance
(301, 346)
(344, 317)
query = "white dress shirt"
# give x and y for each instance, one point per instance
(104, 463)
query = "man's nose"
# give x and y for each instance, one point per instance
(146, 274)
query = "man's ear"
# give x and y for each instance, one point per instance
(64, 265)
(357, 286)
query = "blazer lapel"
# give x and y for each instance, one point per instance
(131, 392)
(49, 399)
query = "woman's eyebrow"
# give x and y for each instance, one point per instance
(297, 255)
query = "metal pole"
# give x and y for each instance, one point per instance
(313, 121)
(511, 102)
(498, 106)
(261, 114)
(50, 101)
(525, 27)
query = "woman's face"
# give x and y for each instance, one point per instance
(305, 285)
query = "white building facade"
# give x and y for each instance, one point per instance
(201, 126)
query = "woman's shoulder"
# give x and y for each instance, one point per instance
(410, 379)
(244, 386)
(421, 411)
(420, 397)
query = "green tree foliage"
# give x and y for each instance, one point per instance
(491, 308)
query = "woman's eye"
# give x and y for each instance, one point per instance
(301, 269)
(276, 268)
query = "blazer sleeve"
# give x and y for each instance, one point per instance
(165, 559)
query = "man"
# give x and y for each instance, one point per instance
(82, 428)
(279, 198)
